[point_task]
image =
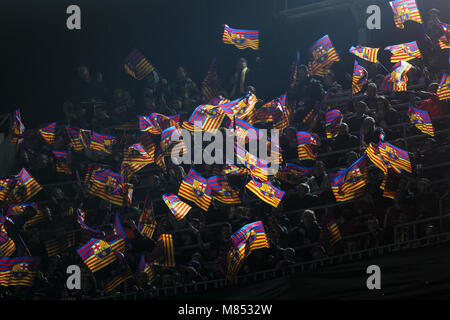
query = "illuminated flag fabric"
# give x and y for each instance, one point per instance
(397, 80)
(444, 41)
(19, 271)
(81, 219)
(333, 120)
(444, 88)
(335, 233)
(323, 55)
(240, 38)
(360, 77)
(373, 152)
(172, 142)
(210, 84)
(59, 244)
(163, 254)
(117, 280)
(274, 112)
(147, 222)
(74, 137)
(135, 158)
(91, 169)
(137, 66)
(266, 192)
(118, 229)
(175, 118)
(240, 108)
(205, 117)
(17, 127)
(223, 191)
(110, 186)
(20, 208)
(304, 142)
(310, 120)
(6, 186)
(231, 169)
(176, 206)
(100, 142)
(245, 131)
(250, 237)
(348, 184)
(62, 161)
(366, 53)
(26, 187)
(7, 245)
(421, 119)
(405, 10)
(145, 138)
(155, 123)
(291, 172)
(97, 254)
(217, 101)
(395, 158)
(258, 167)
(147, 268)
(85, 138)
(48, 133)
(195, 188)
(404, 51)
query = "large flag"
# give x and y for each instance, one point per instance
(405, 10)
(444, 88)
(366, 53)
(195, 188)
(373, 152)
(6, 186)
(48, 133)
(258, 167)
(266, 192)
(223, 191)
(274, 112)
(147, 222)
(444, 41)
(404, 51)
(63, 160)
(74, 136)
(100, 142)
(19, 271)
(205, 117)
(333, 120)
(395, 158)
(304, 142)
(240, 38)
(110, 186)
(18, 127)
(178, 208)
(210, 85)
(7, 245)
(240, 108)
(97, 254)
(135, 158)
(348, 184)
(137, 66)
(360, 77)
(421, 119)
(396, 80)
(81, 219)
(294, 70)
(155, 123)
(250, 237)
(25, 188)
(323, 55)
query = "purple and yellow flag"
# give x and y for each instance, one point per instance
(17, 128)
(444, 41)
(404, 52)
(395, 158)
(19, 271)
(333, 120)
(155, 123)
(223, 191)
(137, 66)
(360, 78)
(135, 157)
(97, 254)
(6, 186)
(304, 142)
(178, 208)
(7, 245)
(366, 53)
(405, 10)
(195, 188)
(74, 136)
(48, 133)
(323, 55)
(63, 161)
(258, 167)
(373, 152)
(241, 38)
(111, 187)
(266, 192)
(147, 222)
(291, 173)
(421, 119)
(275, 112)
(25, 188)
(444, 88)
(241, 108)
(205, 117)
(100, 142)
(397, 80)
(210, 85)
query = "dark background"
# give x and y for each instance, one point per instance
(40, 55)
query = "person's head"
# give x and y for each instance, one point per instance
(433, 13)
(361, 107)
(303, 72)
(289, 254)
(423, 186)
(241, 63)
(433, 87)
(83, 73)
(308, 218)
(176, 104)
(383, 106)
(181, 73)
(369, 125)
(303, 189)
(372, 90)
(343, 129)
(290, 133)
(373, 224)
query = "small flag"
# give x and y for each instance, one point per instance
(48, 133)
(240, 108)
(110, 186)
(404, 52)
(176, 206)
(266, 192)
(7, 245)
(117, 280)
(163, 254)
(19, 271)
(81, 219)
(18, 128)
(444, 88)
(137, 66)
(245, 131)
(291, 172)
(118, 229)
(135, 158)
(258, 167)
(373, 152)
(240, 38)
(100, 142)
(205, 117)
(397, 80)
(210, 85)
(405, 10)
(147, 268)
(26, 187)
(274, 112)
(395, 158)
(323, 55)
(444, 41)
(223, 191)
(6, 186)
(366, 53)
(360, 77)
(147, 222)
(63, 161)
(195, 188)
(74, 136)
(335, 233)
(333, 120)
(304, 142)
(421, 119)
(97, 254)
(155, 123)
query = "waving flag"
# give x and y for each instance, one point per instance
(100, 142)
(240, 38)
(444, 88)
(63, 160)
(366, 53)
(135, 158)
(7, 245)
(17, 128)
(444, 41)
(74, 136)
(210, 85)
(223, 191)
(163, 254)
(304, 142)
(155, 123)
(258, 167)
(421, 119)
(395, 158)
(397, 80)
(240, 108)
(19, 271)
(323, 55)
(97, 254)
(25, 188)
(245, 131)
(137, 66)
(195, 188)
(48, 133)
(294, 71)
(147, 222)
(147, 268)
(231, 169)
(404, 51)
(360, 77)
(405, 10)
(250, 237)
(205, 117)
(118, 229)
(176, 206)
(348, 184)
(333, 120)
(373, 152)
(6, 186)
(110, 186)
(291, 172)
(81, 219)
(266, 192)
(20, 208)
(274, 112)
(335, 233)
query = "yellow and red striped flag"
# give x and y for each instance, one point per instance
(444, 88)
(176, 206)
